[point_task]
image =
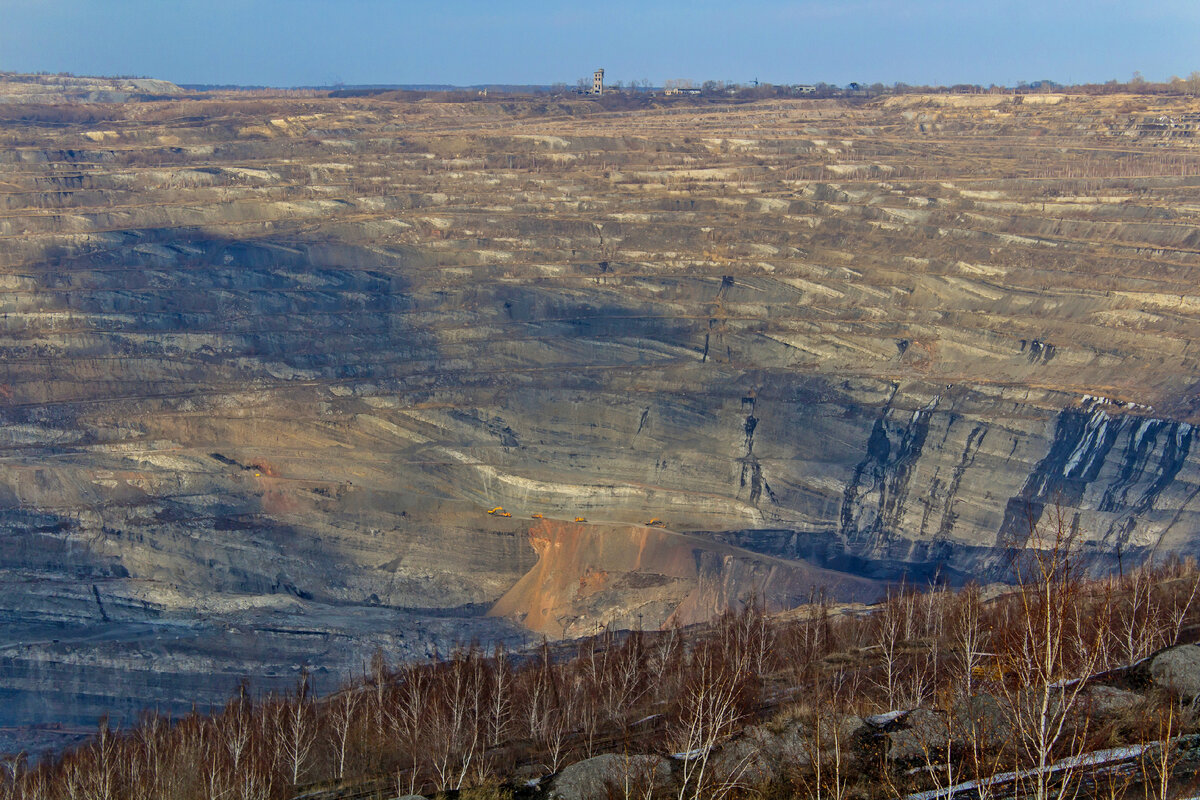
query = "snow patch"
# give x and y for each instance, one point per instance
(1095, 759)
(879, 720)
(690, 754)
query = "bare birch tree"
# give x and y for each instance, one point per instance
(343, 718)
(296, 730)
(1047, 658)
(824, 740)
(710, 708)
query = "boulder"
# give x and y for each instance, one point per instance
(762, 755)
(925, 731)
(756, 757)
(983, 716)
(745, 762)
(794, 745)
(849, 728)
(591, 778)
(1178, 670)
(1108, 701)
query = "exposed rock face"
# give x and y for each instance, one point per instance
(265, 365)
(931, 475)
(54, 89)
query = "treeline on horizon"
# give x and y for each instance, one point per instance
(725, 90)
(1009, 677)
(1175, 85)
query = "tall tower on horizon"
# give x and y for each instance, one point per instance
(598, 82)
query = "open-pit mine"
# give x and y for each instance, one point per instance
(267, 363)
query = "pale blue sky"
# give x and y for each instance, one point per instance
(302, 42)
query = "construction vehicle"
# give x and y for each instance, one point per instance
(656, 523)
(989, 670)
(500, 512)
(537, 516)
(580, 519)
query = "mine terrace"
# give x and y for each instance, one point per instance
(268, 361)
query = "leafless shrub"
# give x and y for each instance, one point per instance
(716, 694)
(1008, 679)
(1048, 656)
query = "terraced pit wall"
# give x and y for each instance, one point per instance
(265, 364)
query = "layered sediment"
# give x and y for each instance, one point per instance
(266, 363)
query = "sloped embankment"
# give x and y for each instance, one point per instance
(590, 575)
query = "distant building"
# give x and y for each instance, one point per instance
(598, 82)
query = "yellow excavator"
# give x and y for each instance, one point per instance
(580, 519)
(989, 670)
(537, 516)
(500, 512)
(656, 523)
